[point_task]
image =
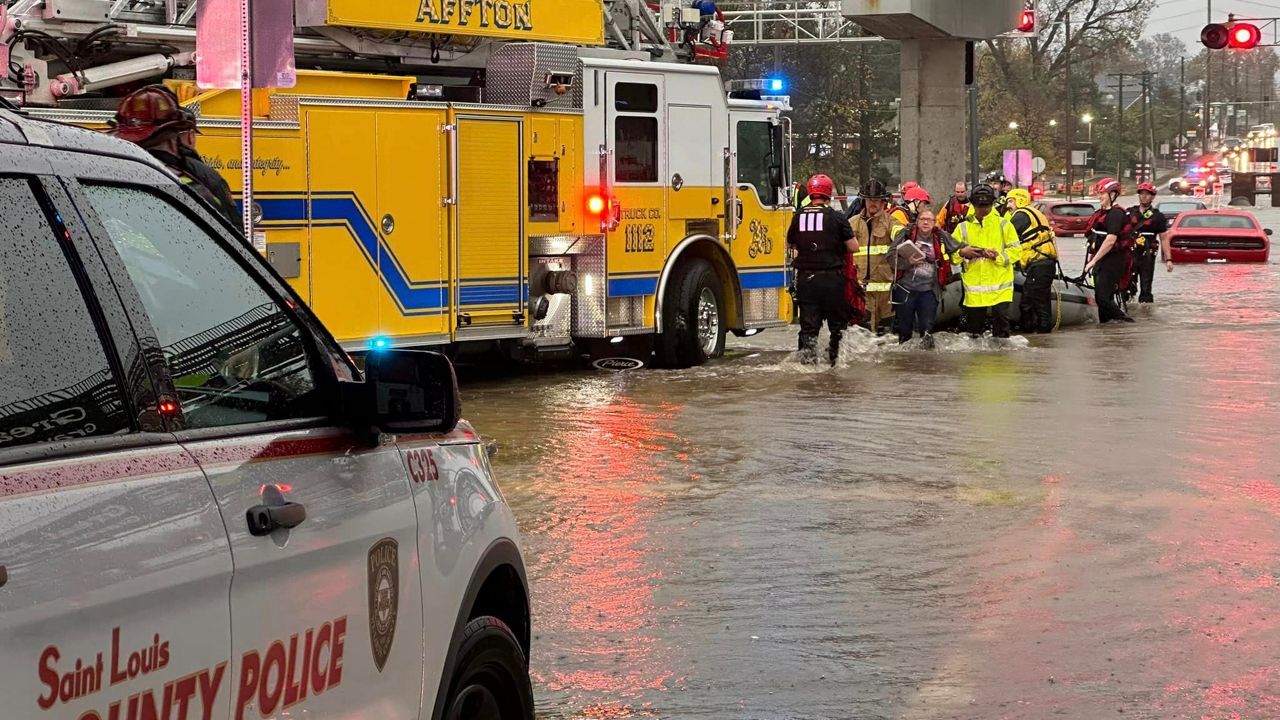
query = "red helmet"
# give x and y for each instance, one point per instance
(1106, 185)
(908, 187)
(916, 194)
(147, 112)
(821, 186)
(1146, 187)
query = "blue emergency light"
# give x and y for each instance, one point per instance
(380, 342)
(777, 85)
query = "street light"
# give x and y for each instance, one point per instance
(1088, 120)
(1053, 123)
(1013, 125)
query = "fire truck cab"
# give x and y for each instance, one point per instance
(578, 189)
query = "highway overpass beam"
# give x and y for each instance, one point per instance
(933, 35)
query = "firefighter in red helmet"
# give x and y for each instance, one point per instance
(1150, 240)
(1109, 249)
(153, 118)
(821, 240)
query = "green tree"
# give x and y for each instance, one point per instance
(843, 99)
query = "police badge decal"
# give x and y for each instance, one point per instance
(384, 597)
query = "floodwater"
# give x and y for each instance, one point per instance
(1083, 525)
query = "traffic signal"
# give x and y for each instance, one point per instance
(1234, 35)
(1027, 21)
(1244, 36)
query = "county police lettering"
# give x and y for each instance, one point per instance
(818, 234)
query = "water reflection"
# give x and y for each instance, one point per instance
(1078, 525)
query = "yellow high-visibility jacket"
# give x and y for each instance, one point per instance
(988, 282)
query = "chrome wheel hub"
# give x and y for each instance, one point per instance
(708, 321)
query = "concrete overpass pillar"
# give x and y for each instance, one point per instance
(934, 105)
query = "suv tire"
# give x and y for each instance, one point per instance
(491, 678)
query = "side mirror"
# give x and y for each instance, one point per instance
(775, 176)
(409, 391)
(1267, 231)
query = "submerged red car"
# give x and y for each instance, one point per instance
(1218, 236)
(1068, 218)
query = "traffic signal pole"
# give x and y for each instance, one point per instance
(1208, 85)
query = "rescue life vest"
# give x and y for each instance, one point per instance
(956, 213)
(1146, 239)
(1125, 243)
(1098, 231)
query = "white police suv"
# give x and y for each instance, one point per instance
(206, 510)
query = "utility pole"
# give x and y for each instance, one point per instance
(1208, 85)
(1144, 147)
(1070, 129)
(864, 126)
(971, 86)
(1120, 123)
(1182, 101)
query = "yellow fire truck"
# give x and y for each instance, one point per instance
(545, 175)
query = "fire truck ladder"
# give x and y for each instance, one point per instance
(790, 22)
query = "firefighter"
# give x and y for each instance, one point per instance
(1108, 251)
(822, 240)
(875, 228)
(1039, 263)
(914, 199)
(1151, 225)
(989, 248)
(900, 210)
(153, 118)
(955, 210)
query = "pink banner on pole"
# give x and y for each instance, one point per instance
(218, 44)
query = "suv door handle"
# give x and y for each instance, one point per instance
(265, 519)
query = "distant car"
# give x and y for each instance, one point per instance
(1180, 186)
(1218, 236)
(1068, 218)
(1172, 208)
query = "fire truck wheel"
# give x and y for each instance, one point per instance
(693, 319)
(491, 679)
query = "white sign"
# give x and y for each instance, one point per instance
(1198, 193)
(1079, 158)
(1217, 188)
(1037, 165)
(1164, 149)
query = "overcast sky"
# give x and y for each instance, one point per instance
(1185, 18)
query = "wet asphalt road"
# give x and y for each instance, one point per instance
(1083, 525)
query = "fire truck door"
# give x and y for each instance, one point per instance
(691, 153)
(634, 135)
(489, 224)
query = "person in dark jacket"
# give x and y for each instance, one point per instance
(153, 118)
(821, 239)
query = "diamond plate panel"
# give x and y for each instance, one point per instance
(284, 107)
(589, 316)
(760, 305)
(626, 312)
(517, 74)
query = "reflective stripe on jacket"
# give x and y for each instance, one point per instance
(989, 282)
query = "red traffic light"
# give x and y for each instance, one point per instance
(1245, 36)
(1027, 21)
(1234, 35)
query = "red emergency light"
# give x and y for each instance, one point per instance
(1027, 21)
(596, 204)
